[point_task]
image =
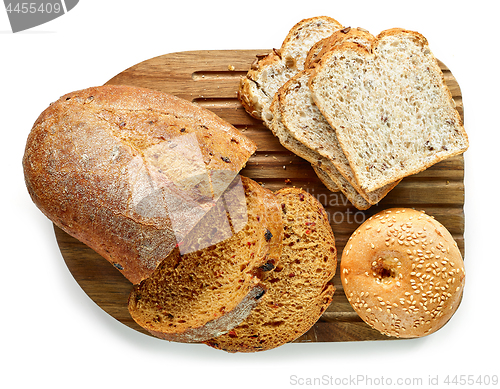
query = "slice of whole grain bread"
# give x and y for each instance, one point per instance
(299, 289)
(390, 107)
(307, 125)
(324, 168)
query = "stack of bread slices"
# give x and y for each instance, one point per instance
(365, 111)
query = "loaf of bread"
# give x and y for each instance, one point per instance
(299, 288)
(130, 171)
(271, 71)
(196, 296)
(389, 105)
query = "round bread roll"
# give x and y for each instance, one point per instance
(403, 273)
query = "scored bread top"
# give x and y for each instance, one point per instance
(390, 107)
(129, 171)
(299, 288)
(271, 71)
(196, 296)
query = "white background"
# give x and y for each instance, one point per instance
(52, 334)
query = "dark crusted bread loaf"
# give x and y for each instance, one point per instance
(299, 288)
(389, 105)
(130, 171)
(197, 296)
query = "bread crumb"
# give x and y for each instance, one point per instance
(230, 68)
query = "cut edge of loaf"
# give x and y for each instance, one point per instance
(82, 145)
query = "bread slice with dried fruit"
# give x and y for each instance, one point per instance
(390, 107)
(299, 288)
(197, 296)
(270, 71)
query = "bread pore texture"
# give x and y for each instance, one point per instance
(306, 124)
(389, 106)
(299, 288)
(199, 295)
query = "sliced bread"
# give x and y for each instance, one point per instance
(390, 107)
(270, 71)
(325, 169)
(307, 125)
(299, 289)
(196, 296)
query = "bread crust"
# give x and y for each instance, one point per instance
(95, 164)
(403, 273)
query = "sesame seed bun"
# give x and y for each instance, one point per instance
(403, 273)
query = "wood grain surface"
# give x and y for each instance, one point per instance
(210, 79)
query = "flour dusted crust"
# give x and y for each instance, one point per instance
(101, 163)
(403, 273)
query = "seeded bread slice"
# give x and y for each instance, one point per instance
(270, 71)
(391, 109)
(325, 169)
(196, 296)
(307, 125)
(299, 289)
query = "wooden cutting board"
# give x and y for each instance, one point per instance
(210, 79)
